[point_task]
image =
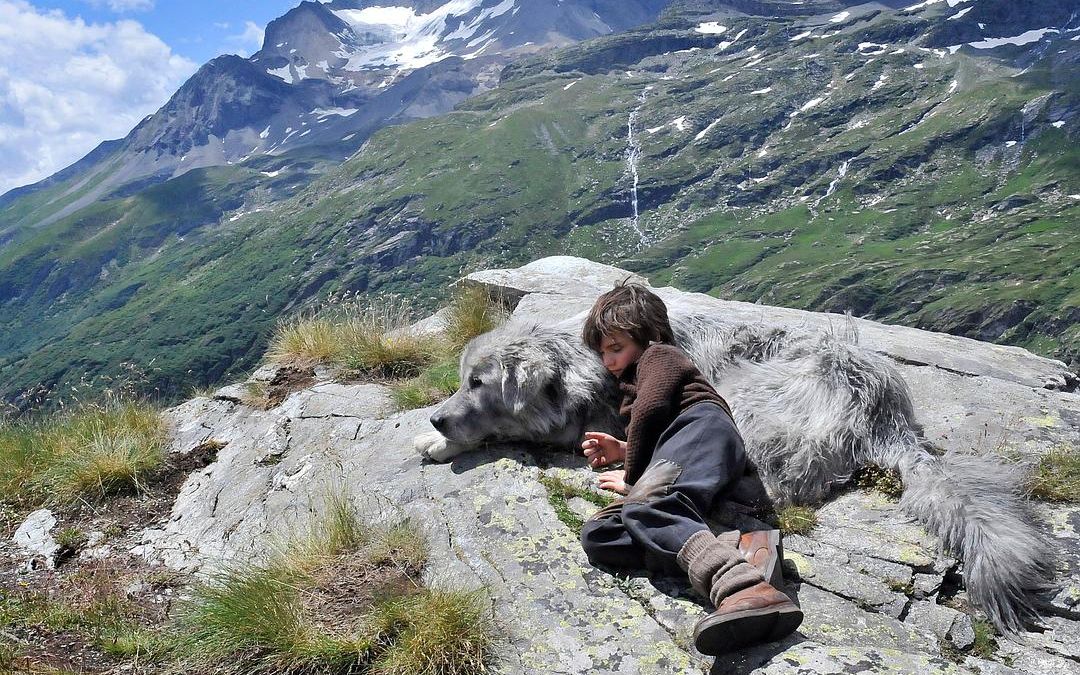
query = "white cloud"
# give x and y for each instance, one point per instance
(66, 85)
(248, 42)
(120, 6)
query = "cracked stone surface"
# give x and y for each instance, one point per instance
(869, 579)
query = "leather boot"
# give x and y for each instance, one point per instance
(753, 615)
(763, 550)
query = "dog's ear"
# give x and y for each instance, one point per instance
(524, 380)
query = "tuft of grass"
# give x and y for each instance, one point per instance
(433, 632)
(435, 384)
(1056, 477)
(344, 599)
(985, 639)
(401, 545)
(797, 519)
(306, 339)
(339, 532)
(472, 311)
(71, 537)
(17, 465)
(560, 492)
(89, 452)
(886, 481)
(898, 586)
(368, 335)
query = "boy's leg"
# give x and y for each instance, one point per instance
(606, 541)
(698, 457)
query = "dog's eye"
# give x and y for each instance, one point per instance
(474, 381)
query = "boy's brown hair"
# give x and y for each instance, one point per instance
(632, 308)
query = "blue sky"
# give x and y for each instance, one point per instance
(196, 29)
(74, 73)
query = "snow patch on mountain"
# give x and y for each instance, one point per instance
(701, 134)
(284, 73)
(927, 3)
(327, 112)
(1021, 39)
(412, 40)
(727, 43)
(711, 28)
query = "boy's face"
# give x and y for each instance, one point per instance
(618, 351)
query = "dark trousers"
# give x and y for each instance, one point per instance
(699, 456)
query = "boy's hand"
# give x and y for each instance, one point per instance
(614, 481)
(602, 449)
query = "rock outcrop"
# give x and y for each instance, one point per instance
(878, 594)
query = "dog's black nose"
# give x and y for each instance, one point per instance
(438, 421)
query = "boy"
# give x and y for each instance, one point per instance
(682, 450)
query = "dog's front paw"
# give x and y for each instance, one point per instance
(434, 445)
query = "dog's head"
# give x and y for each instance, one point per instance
(510, 384)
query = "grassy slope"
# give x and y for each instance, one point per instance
(941, 226)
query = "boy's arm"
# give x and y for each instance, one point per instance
(660, 373)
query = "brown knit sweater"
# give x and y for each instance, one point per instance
(659, 387)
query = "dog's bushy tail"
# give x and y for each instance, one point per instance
(975, 505)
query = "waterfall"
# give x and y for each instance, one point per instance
(840, 173)
(633, 154)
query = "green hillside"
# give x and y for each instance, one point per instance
(900, 183)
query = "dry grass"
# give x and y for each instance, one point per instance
(346, 598)
(89, 452)
(1056, 478)
(371, 336)
(91, 604)
(472, 311)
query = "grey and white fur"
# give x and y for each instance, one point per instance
(812, 410)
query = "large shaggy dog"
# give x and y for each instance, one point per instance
(812, 410)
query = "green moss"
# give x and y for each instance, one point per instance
(985, 644)
(886, 481)
(560, 491)
(797, 519)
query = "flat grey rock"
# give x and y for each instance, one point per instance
(558, 275)
(849, 582)
(331, 399)
(874, 526)
(811, 658)
(832, 620)
(34, 535)
(943, 622)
